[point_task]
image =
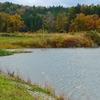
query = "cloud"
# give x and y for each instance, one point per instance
(47, 3)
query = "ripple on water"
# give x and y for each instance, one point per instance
(73, 71)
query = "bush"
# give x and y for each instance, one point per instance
(70, 42)
(55, 42)
(94, 36)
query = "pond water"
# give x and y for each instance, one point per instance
(75, 72)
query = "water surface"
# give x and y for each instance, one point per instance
(75, 72)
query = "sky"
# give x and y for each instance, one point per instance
(47, 3)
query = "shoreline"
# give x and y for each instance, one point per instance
(6, 52)
(36, 92)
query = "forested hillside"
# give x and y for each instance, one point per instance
(15, 17)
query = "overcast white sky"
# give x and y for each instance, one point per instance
(47, 3)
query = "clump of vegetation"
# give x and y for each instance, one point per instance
(69, 41)
(10, 52)
(5, 52)
(94, 36)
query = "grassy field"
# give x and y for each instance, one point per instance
(85, 39)
(9, 42)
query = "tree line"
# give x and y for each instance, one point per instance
(15, 17)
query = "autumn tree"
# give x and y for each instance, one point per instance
(90, 22)
(98, 25)
(61, 22)
(78, 24)
(3, 21)
(55, 19)
(85, 23)
(14, 23)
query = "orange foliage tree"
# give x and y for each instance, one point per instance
(89, 23)
(98, 25)
(85, 23)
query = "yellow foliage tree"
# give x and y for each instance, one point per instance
(14, 22)
(78, 24)
(3, 21)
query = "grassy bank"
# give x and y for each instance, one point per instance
(9, 91)
(5, 52)
(11, 52)
(15, 88)
(83, 39)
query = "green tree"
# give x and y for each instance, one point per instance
(49, 21)
(71, 15)
(61, 22)
(37, 22)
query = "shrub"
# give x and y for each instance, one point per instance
(55, 42)
(70, 42)
(94, 36)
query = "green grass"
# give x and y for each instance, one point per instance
(10, 52)
(9, 42)
(45, 91)
(9, 91)
(5, 52)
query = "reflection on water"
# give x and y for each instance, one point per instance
(76, 72)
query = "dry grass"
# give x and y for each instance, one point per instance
(63, 97)
(46, 41)
(48, 87)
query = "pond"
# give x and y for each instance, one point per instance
(75, 72)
